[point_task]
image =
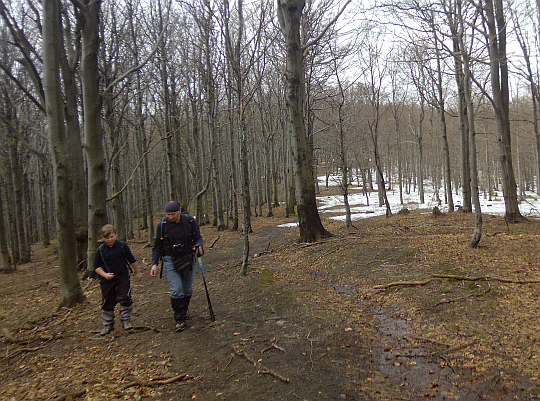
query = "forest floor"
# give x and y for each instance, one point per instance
(308, 322)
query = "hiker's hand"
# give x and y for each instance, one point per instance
(199, 251)
(153, 271)
(139, 276)
(109, 276)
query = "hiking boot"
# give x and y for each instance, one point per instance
(180, 326)
(128, 326)
(106, 330)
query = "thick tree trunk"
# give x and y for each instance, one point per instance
(93, 130)
(71, 292)
(501, 103)
(78, 173)
(311, 228)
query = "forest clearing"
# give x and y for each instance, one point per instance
(394, 308)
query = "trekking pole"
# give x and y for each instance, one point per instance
(161, 270)
(210, 310)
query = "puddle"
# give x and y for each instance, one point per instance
(413, 367)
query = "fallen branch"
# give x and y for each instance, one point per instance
(401, 283)
(486, 278)
(213, 243)
(262, 370)
(450, 276)
(154, 382)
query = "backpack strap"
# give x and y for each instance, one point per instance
(128, 263)
(191, 221)
(122, 245)
(100, 249)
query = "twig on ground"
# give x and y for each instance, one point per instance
(273, 345)
(310, 350)
(153, 382)
(527, 346)
(262, 370)
(214, 242)
(267, 247)
(447, 301)
(448, 363)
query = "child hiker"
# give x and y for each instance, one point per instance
(111, 263)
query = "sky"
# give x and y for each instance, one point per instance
(359, 209)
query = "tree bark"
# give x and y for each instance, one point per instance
(70, 288)
(5, 261)
(311, 228)
(499, 85)
(467, 79)
(93, 130)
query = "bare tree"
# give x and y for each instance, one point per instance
(493, 13)
(467, 81)
(71, 292)
(289, 16)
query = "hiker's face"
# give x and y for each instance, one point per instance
(174, 216)
(111, 239)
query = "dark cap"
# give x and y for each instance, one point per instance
(172, 206)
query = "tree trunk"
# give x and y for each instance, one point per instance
(311, 228)
(70, 289)
(78, 173)
(467, 79)
(446, 149)
(5, 261)
(93, 130)
(17, 182)
(499, 85)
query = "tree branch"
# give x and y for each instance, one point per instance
(316, 40)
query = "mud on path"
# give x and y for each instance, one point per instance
(306, 323)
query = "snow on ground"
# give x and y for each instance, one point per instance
(358, 202)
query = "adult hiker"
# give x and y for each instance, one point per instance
(111, 263)
(178, 243)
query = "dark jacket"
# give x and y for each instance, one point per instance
(113, 259)
(185, 234)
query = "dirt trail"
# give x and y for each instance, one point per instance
(304, 324)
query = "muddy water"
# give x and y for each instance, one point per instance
(418, 368)
(415, 367)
